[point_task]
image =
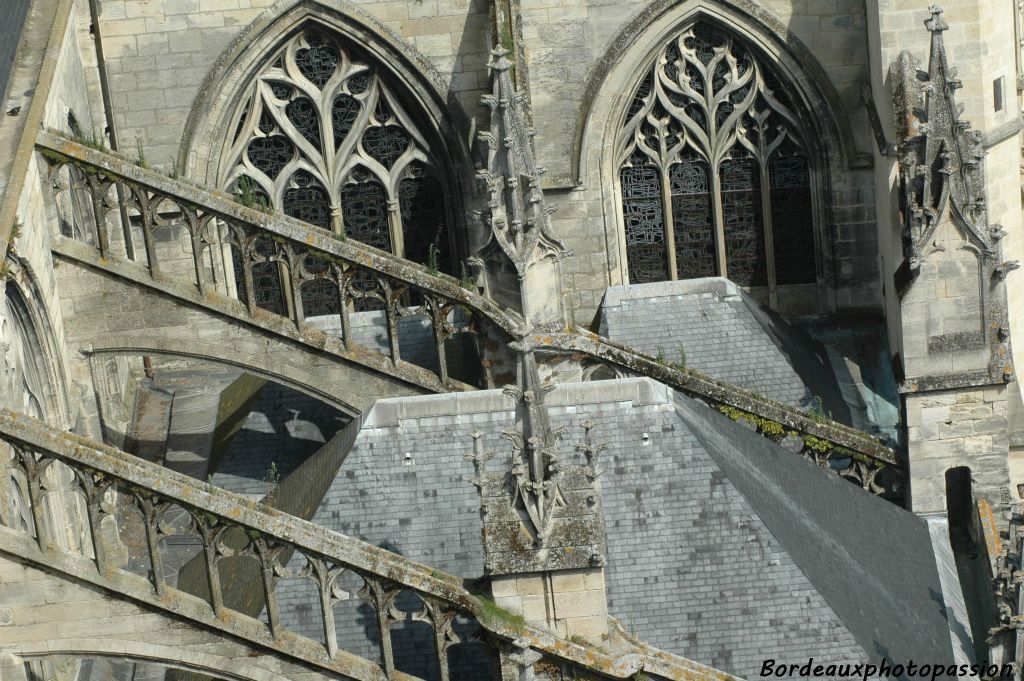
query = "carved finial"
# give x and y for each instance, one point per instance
(500, 62)
(935, 24)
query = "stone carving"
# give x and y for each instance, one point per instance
(322, 138)
(942, 183)
(714, 172)
(1006, 585)
(517, 219)
(941, 157)
(21, 387)
(154, 503)
(536, 466)
(543, 512)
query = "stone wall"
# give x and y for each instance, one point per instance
(46, 617)
(577, 94)
(571, 602)
(71, 86)
(957, 428)
(159, 51)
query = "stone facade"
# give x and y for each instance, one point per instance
(951, 428)
(502, 90)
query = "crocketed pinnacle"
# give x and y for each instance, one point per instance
(517, 217)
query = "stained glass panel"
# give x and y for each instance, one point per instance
(792, 220)
(365, 214)
(313, 82)
(421, 202)
(385, 144)
(343, 114)
(691, 213)
(744, 231)
(307, 200)
(318, 62)
(645, 224)
(270, 154)
(320, 297)
(302, 113)
(266, 287)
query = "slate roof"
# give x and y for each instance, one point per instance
(725, 334)
(722, 547)
(12, 19)
(873, 562)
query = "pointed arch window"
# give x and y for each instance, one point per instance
(714, 171)
(321, 137)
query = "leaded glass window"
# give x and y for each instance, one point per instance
(321, 137)
(714, 171)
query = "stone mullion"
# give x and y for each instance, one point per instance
(96, 193)
(440, 617)
(293, 287)
(391, 317)
(342, 282)
(93, 496)
(245, 253)
(769, 241)
(35, 494)
(150, 516)
(669, 227)
(210, 536)
(439, 338)
(268, 558)
(284, 276)
(126, 225)
(395, 227)
(195, 224)
(719, 218)
(145, 207)
(381, 597)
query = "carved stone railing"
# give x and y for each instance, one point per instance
(55, 485)
(849, 452)
(222, 234)
(359, 273)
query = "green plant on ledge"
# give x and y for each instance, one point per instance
(140, 159)
(92, 140)
(495, 614)
(249, 196)
(432, 252)
(465, 280)
(767, 427)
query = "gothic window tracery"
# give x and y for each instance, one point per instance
(714, 171)
(321, 137)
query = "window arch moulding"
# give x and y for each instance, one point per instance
(724, 173)
(609, 82)
(329, 122)
(249, 50)
(29, 352)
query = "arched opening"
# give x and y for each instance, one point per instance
(715, 171)
(322, 133)
(31, 380)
